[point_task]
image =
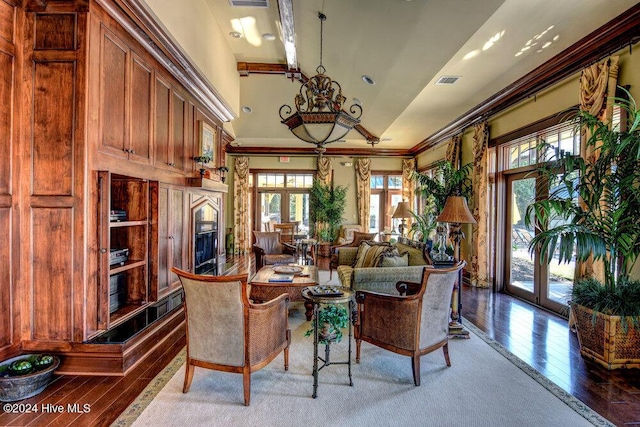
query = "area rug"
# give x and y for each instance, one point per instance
(485, 386)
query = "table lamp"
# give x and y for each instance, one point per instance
(455, 213)
(402, 212)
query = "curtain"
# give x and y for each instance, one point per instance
(363, 182)
(597, 89)
(408, 186)
(324, 169)
(453, 151)
(480, 208)
(242, 230)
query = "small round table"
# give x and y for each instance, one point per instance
(346, 297)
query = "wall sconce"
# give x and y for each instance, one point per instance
(203, 160)
(346, 164)
(223, 172)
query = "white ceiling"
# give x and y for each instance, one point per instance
(405, 46)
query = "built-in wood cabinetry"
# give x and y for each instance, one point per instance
(124, 247)
(93, 123)
(173, 239)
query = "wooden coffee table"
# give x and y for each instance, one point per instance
(263, 290)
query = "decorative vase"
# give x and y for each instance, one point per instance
(19, 387)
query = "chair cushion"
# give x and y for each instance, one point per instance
(415, 255)
(269, 242)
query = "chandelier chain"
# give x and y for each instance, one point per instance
(322, 19)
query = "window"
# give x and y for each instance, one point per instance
(523, 152)
(386, 193)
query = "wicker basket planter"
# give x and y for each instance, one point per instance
(604, 341)
(19, 387)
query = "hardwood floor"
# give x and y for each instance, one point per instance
(541, 339)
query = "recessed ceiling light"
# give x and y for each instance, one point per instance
(357, 101)
(235, 34)
(247, 110)
(386, 139)
(368, 80)
(268, 36)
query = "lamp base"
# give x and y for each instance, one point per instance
(457, 330)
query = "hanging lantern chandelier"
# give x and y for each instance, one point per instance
(319, 118)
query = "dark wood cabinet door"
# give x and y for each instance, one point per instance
(161, 122)
(140, 147)
(114, 61)
(178, 235)
(163, 242)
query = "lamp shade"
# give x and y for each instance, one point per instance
(402, 211)
(456, 211)
(391, 210)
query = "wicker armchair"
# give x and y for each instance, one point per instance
(269, 249)
(404, 324)
(226, 332)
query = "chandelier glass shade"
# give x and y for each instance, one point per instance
(318, 117)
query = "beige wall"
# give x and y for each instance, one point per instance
(195, 29)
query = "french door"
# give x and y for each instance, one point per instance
(544, 284)
(283, 206)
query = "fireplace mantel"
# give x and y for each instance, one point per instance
(207, 184)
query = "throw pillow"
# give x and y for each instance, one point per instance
(359, 237)
(395, 260)
(416, 256)
(368, 253)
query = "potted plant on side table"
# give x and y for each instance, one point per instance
(594, 209)
(332, 318)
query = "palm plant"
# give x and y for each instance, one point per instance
(448, 181)
(326, 209)
(594, 207)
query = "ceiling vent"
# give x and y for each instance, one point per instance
(249, 3)
(447, 80)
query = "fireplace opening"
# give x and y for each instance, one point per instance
(206, 240)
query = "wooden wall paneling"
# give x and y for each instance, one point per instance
(114, 76)
(6, 200)
(6, 279)
(55, 31)
(162, 266)
(141, 146)
(52, 267)
(53, 164)
(178, 129)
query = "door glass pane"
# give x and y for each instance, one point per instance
(374, 214)
(560, 278)
(270, 210)
(299, 211)
(522, 263)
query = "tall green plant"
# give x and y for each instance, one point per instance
(593, 206)
(447, 181)
(326, 209)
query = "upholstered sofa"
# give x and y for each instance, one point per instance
(382, 278)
